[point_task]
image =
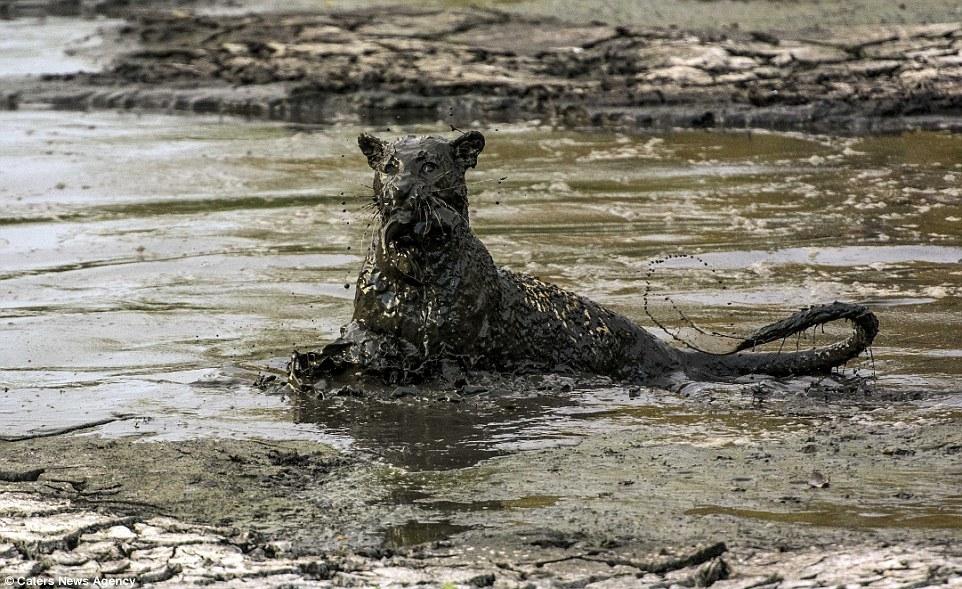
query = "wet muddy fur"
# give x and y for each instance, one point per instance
(431, 302)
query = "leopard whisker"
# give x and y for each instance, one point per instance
(437, 216)
(449, 207)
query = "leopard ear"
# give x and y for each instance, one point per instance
(467, 147)
(372, 147)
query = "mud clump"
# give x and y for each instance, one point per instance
(467, 65)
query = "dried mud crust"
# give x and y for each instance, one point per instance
(41, 537)
(467, 65)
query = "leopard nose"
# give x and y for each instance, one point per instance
(404, 188)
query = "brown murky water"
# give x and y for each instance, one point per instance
(152, 265)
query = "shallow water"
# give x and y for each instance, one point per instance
(148, 251)
(33, 46)
(152, 265)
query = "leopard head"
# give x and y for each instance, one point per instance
(420, 197)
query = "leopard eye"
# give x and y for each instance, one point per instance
(428, 167)
(391, 167)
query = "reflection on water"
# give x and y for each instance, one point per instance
(435, 434)
(432, 529)
(418, 532)
(151, 264)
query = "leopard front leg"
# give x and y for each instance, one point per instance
(360, 352)
(304, 370)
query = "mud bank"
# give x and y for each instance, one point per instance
(466, 65)
(732, 514)
(55, 539)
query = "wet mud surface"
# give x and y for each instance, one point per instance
(463, 65)
(170, 261)
(727, 490)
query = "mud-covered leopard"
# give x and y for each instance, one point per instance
(429, 296)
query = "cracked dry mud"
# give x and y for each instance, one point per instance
(57, 539)
(49, 538)
(466, 65)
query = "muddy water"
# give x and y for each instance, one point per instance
(33, 46)
(152, 266)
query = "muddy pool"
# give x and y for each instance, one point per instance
(153, 266)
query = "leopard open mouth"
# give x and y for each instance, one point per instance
(403, 230)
